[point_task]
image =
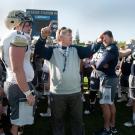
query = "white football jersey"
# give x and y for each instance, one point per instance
(22, 39)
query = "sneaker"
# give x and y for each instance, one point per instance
(19, 133)
(129, 103)
(47, 114)
(103, 132)
(122, 99)
(129, 124)
(86, 112)
(114, 130)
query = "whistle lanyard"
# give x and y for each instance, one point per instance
(65, 53)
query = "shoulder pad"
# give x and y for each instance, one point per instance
(20, 41)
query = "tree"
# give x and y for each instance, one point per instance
(121, 44)
(77, 37)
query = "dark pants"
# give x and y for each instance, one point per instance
(70, 104)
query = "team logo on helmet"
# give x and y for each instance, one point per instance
(16, 17)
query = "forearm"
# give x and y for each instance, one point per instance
(39, 47)
(93, 67)
(41, 51)
(124, 53)
(86, 52)
(23, 85)
(21, 80)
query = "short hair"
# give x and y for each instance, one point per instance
(62, 31)
(108, 33)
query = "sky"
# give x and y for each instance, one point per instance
(89, 17)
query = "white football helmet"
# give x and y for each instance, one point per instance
(16, 17)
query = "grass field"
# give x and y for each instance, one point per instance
(92, 122)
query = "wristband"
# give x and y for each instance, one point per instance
(27, 93)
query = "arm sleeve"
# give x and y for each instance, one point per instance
(86, 52)
(105, 59)
(41, 51)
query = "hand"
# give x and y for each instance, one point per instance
(124, 53)
(46, 31)
(93, 67)
(100, 38)
(118, 73)
(31, 100)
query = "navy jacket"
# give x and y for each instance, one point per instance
(46, 52)
(109, 57)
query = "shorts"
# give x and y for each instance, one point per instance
(21, 111)
(108, 87)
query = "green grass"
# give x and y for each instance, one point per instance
(92, 122)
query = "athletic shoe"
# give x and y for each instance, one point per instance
(114, 130)
(129, 124)
(86, 112)
(129, 103)
(122, 99)
(103, 132)
(47, 114)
